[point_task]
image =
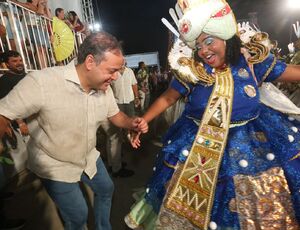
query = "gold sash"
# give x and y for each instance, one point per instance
(191, 189)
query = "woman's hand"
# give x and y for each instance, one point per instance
(139, 125)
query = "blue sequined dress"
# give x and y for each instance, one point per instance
(259, 179)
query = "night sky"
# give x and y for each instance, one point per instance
(138, 22)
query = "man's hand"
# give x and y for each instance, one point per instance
(139, 126)
(134, 139)
(5, 127)
(24, 129)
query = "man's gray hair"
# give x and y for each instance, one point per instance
(97, 44)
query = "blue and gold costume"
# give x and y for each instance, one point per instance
(259, 177)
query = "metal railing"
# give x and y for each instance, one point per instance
(30, 34)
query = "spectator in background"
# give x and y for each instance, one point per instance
(77, 25)
(126, 94)
(38, 6)
(37, 31)
(143, 85)
(60, 14)
(16, 72)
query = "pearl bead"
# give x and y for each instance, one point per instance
(154, 168)
(185, 153)
(243, 163)
(200, 140)
(291, 118)
(295, 130)
(270, 156)
(213, 225)
(147, 190)
(291, 138)
(169, 142)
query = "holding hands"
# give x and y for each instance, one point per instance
(140, 126)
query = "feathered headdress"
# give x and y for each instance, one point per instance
(193, 17)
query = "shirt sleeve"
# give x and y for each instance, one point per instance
(183, 88)
(269, 70)
(23, 100)
(133, 79)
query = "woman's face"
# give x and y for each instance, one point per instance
(211, 50)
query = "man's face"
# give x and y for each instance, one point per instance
(101, 75)
(61, 15)
(15, 65)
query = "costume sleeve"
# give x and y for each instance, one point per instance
(24, 99)
(182, 87)
(269, 70)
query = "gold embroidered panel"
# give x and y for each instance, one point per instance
(264, 201)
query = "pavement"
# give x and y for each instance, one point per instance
(32, 203)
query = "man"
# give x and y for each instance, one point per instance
(126, 95)
(67, 104)
(60, 14)
(16, 72)
(143, 85)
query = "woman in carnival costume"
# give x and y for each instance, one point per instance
(231, 161)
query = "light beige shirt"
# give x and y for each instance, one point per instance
(122, 87)
(64, 122)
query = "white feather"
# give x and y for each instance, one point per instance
(170, 27)
(174, 16)
(178, 11)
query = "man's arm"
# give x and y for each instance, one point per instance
(136, 95)
(132, 123)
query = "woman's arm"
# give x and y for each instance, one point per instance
(291, 73)
(168, 98)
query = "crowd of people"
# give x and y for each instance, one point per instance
(38, 41)
(230, 161)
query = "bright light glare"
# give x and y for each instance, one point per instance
(95, 27)
(294, 4)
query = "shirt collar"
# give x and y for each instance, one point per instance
(70, 72)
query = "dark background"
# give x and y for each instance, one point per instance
(138, 22)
